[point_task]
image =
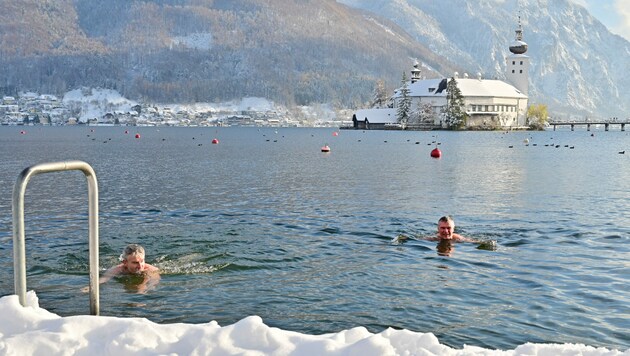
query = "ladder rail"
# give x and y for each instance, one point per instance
(19, 250)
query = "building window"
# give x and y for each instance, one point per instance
(512, 71)
(521, 71)
(521, 62)
(513, 62)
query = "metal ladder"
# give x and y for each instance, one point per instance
(19, 252)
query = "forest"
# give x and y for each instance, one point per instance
(291, 52)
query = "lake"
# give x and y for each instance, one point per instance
(266, 224)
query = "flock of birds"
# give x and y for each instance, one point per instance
(526, 142)
(326, 148)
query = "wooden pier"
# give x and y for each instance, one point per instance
(588, 124)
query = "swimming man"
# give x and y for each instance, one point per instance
(133, 263)
(446, 231)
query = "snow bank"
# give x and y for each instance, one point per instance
(34, 331)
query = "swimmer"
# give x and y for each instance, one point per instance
(133, 264)
(446, 231)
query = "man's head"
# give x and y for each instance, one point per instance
(133, 258)
(446, 227)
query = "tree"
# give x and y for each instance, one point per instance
(537, 116)
(425, 113)
(403, 112)
(380, 94)
(455, 114)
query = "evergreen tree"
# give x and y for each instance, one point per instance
(455, 114)
(403, 112)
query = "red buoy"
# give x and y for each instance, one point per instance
(215, 141)
(436, 153)
(335, 133)
(137, 135)
(325, 148)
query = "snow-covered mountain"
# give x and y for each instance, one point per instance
(578, 67)
(305, 52)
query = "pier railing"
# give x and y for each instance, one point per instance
(19, 250)
(588, 124)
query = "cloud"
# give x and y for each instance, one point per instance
(622, 28)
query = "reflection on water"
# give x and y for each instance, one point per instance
(265, 224)
(445, 247)
(133, 283)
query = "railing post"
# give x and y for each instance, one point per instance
(19, 251)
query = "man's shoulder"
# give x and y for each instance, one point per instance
(150, 268)
(460, 238)
(116, 270)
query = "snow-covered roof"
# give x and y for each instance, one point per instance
(488, 88)
(426, 87)
(377, 115)
(469, 88)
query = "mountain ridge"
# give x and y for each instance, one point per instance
(299, 52)
(577, 65)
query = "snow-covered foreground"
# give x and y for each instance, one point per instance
(34, 331)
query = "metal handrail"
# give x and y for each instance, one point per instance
(19, 252)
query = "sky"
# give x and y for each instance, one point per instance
(31, 330)
(614, 14)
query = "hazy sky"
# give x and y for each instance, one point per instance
(615, 14)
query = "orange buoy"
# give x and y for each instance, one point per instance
(137, 135)
(436, 153)
(325, 148)
(335, 133)
(215, 141)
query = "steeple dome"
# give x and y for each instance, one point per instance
(518, 46)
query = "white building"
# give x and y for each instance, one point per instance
(487, 103)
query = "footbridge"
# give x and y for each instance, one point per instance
(588, 123)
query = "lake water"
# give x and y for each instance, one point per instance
(265, 224)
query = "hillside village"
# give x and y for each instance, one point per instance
(29, 108)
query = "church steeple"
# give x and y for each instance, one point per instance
(518, 46)
(517, 63)
(415, 72)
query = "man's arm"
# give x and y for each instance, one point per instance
(461, 238)
(110, 273)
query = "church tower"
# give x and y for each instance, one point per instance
(518, 63)
(415, 72)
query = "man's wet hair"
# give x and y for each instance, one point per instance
(132, 249)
